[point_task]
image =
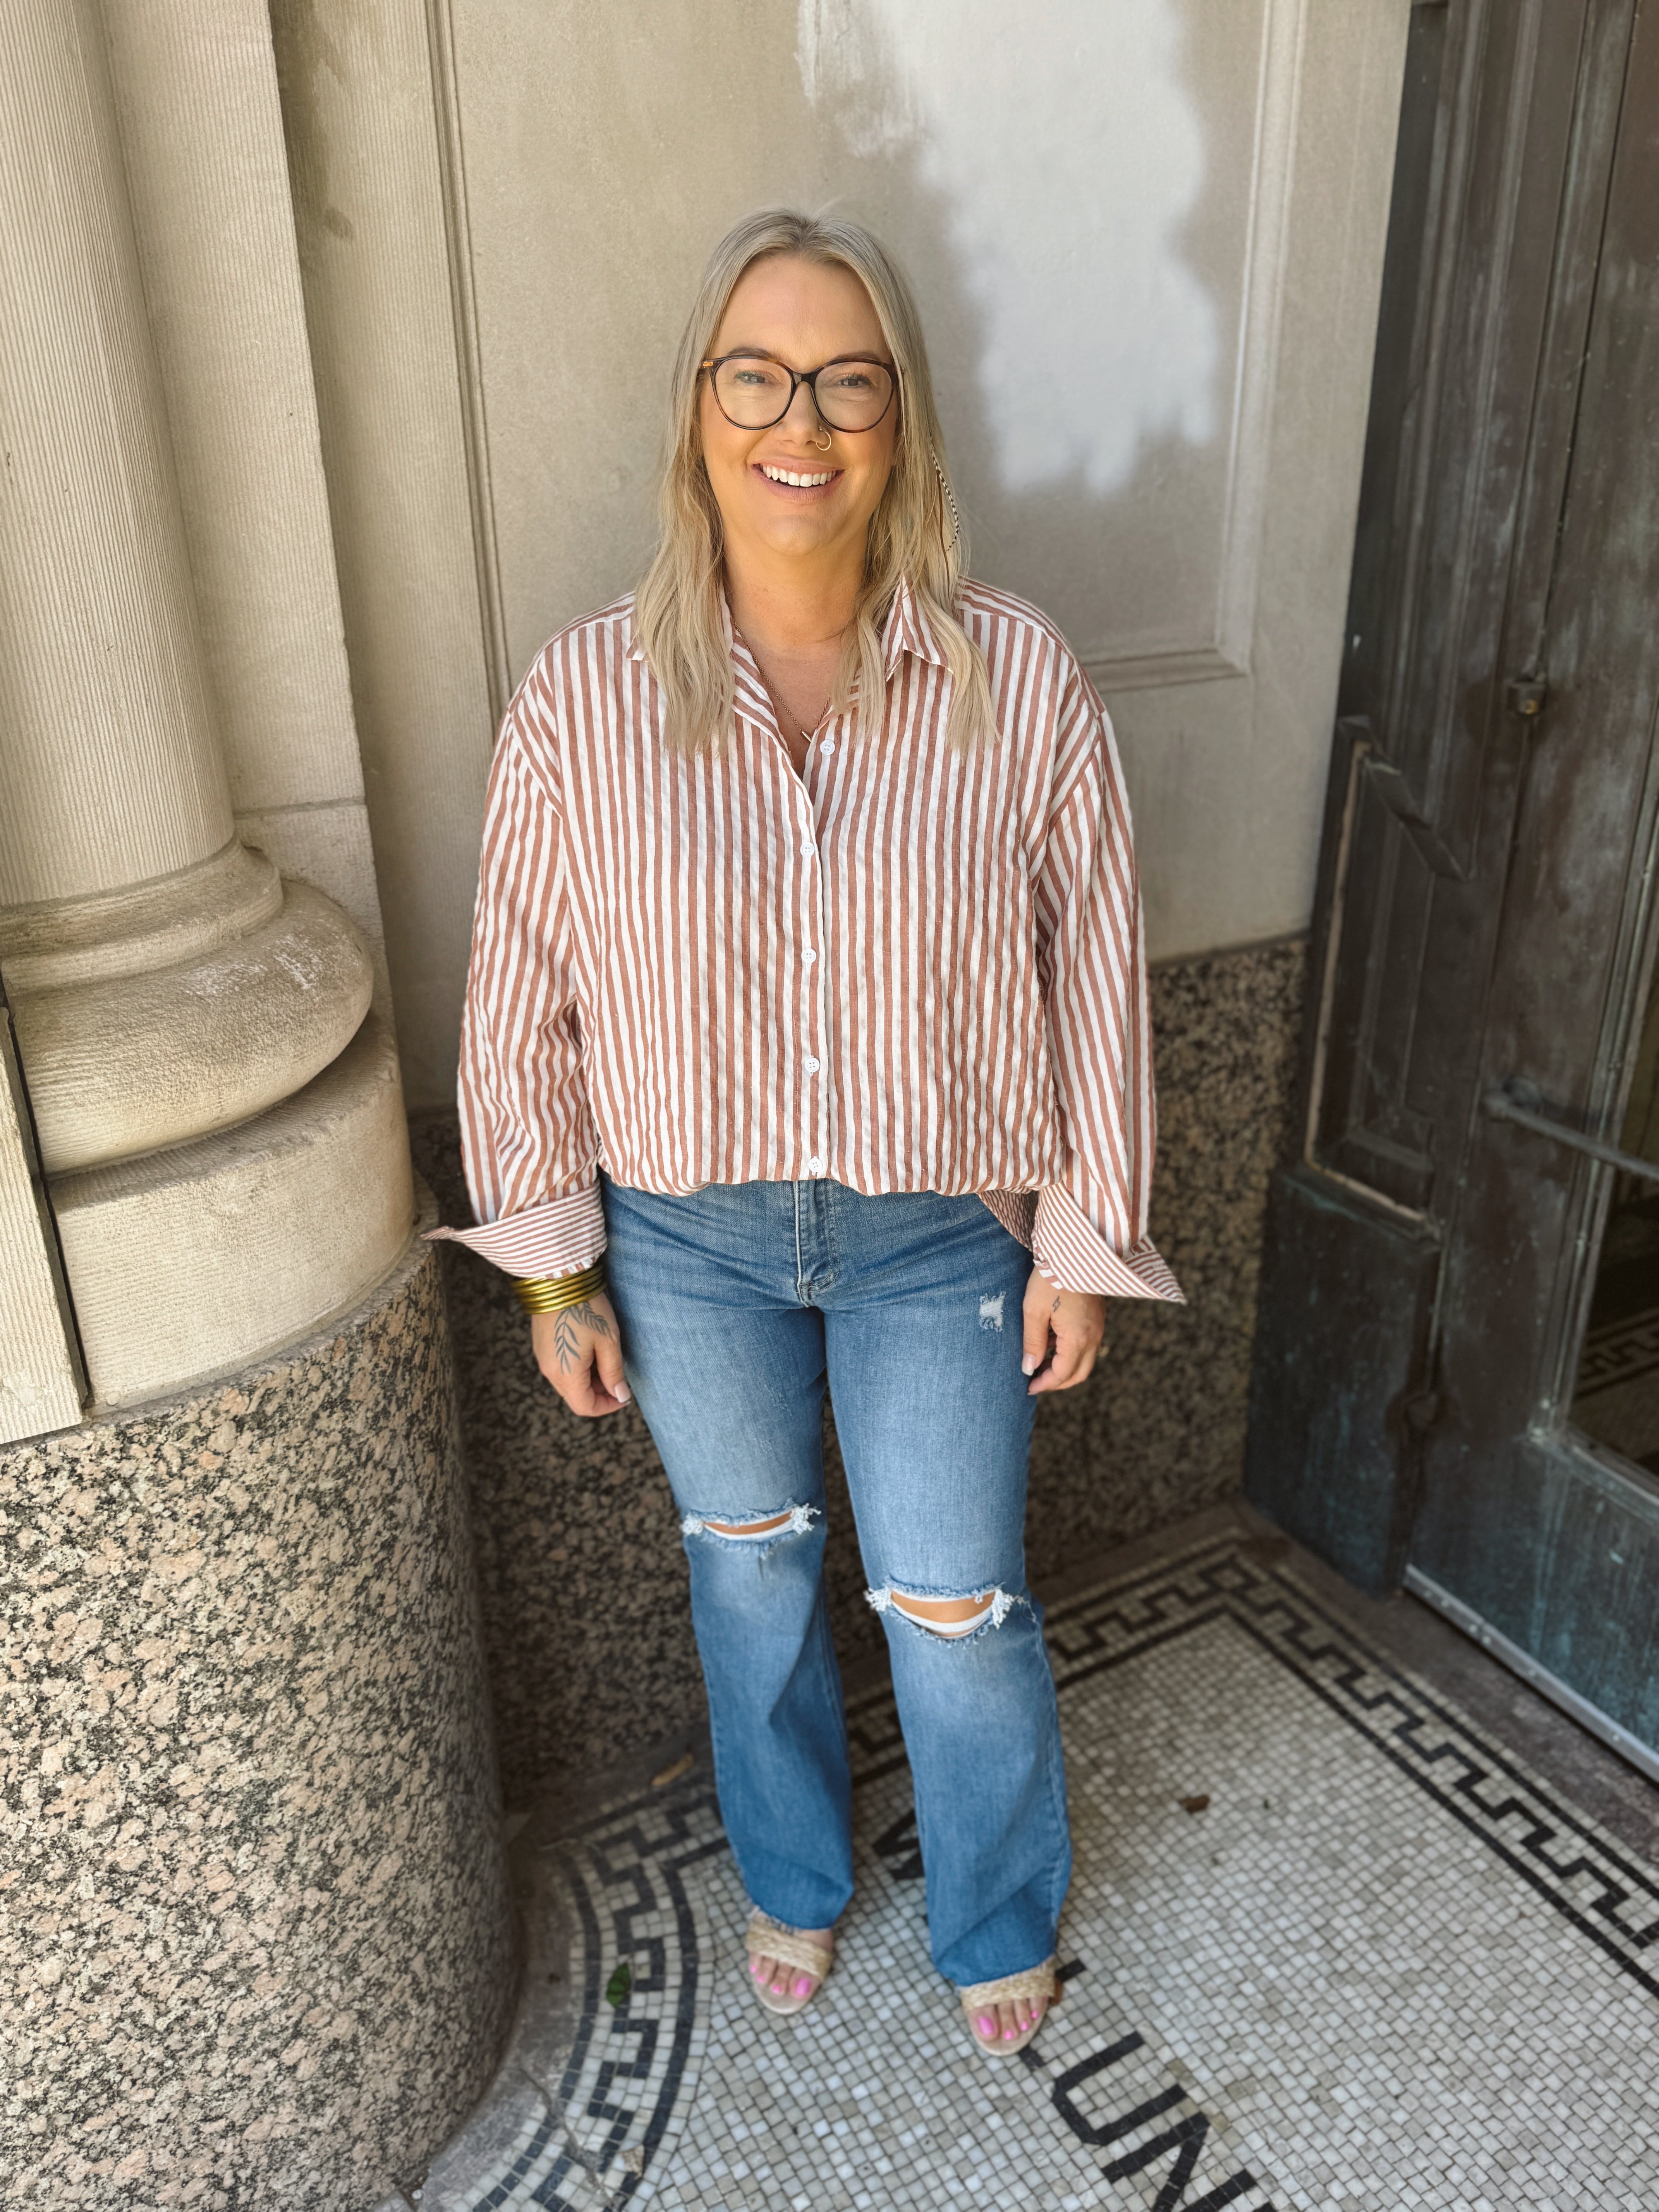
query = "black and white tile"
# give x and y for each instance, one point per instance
(1326, 1946)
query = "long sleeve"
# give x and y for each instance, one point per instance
(528, 1135)
(1090, 1232)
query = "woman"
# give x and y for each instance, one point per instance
(805, 1040)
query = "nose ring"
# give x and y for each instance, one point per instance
(827, 441)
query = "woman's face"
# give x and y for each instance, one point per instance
(803, 314)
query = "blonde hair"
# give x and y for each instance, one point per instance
(914, 533)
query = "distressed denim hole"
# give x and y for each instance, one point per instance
(990, 1311)
(752, 1527)
(978, 1610)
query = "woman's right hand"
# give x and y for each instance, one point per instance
(579, 1352)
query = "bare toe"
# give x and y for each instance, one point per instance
(776, 1977)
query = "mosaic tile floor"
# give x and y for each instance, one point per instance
(1326, 1946)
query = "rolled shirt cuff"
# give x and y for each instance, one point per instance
(1072, 1254)
(559, 1237)
(567, 1234)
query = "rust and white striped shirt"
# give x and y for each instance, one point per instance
(907, 967)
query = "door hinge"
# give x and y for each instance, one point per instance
(1525, 695)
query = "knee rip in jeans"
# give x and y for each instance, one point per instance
(950, 1619)
(752, 1527)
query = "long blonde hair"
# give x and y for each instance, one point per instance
(914, 533)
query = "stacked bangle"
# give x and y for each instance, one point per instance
(553, 1293)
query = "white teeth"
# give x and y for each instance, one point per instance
(791, 477)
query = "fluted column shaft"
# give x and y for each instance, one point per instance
(110, 773)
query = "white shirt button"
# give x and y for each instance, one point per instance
(815, 1165)
(828, 746)
(811, 1065)
(808, 956)
(808, 851)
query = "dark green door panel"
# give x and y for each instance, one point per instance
(1486, 911)
(1346, 1299)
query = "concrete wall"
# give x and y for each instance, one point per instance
(1176, 207)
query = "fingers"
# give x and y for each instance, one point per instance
(587, 1397)
(608, 1367)
(579, 1350)
(1072, 1362)
(1076, 1324)
(1041, 1300)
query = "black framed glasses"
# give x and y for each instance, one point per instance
(753, 392)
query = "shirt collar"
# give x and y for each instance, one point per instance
(750, 699)
(906, 630)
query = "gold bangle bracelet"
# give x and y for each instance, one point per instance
(553, 1293)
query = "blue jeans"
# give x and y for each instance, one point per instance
(736, 1304)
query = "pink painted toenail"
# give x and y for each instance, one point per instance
(754, 1967)
(1007, 2034)
(803, 1985)
(985, 2026)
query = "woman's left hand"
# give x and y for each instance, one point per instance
(1064, 1328)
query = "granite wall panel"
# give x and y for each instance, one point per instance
(586, 1625)
(256, 1948)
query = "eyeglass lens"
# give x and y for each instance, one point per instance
(851, 395)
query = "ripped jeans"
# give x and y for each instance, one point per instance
(738, 1304)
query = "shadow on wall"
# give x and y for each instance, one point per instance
(1042, 196)
(1072, 202)
(586, 1627)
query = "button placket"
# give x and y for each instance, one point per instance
(815, 1120)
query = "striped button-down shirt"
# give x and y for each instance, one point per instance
(907, 966)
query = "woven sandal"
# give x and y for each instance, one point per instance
(979, 1996)
(766, 1938)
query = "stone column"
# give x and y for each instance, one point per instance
(111, 771)
(257, 1947)
(220, 1132)
(201, 122)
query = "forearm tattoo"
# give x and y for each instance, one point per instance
(567, 1328)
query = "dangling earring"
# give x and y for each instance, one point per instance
(955, 519)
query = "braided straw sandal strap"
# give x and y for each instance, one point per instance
(1035, 1982)
(766, 1938)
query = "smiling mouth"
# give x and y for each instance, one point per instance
(797, 479)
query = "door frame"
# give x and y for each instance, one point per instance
(1354, 1279)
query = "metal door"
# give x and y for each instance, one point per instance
(1485, 924)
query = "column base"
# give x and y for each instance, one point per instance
(259, 1948)
(194, 1260)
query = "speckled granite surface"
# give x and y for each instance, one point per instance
(257, 1948)
(1158, 1432)
(583, 1580)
